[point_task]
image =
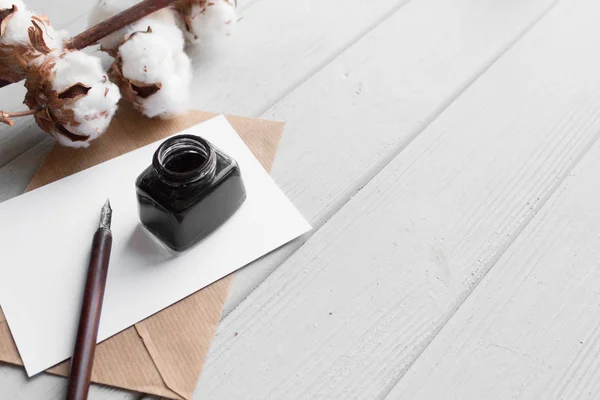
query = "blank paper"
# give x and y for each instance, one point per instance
(45, 241)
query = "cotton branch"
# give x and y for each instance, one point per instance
(6, 117)
(105, 28)
(113, 24)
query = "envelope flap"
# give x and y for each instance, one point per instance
(178, 337)
(124, 361)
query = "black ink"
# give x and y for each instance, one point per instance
(190, 190)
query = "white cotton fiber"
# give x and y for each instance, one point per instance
(174, 97)
(208, 21)
(152, 59)
(17, 26)
(17, 30)
(94, 111)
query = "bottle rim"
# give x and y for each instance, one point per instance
(185, 144)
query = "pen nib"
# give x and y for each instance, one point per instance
(106, 215)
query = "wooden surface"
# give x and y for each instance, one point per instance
(445, 153)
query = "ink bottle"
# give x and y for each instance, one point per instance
(190, 189)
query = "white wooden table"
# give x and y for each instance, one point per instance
(446, 153)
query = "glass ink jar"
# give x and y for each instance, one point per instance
(190, 189)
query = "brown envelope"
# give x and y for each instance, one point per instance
(162, 355)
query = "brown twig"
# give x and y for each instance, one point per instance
(5, 117)
(95, 33)
(111, 25)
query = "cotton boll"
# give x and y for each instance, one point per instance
(169, 32)
(25, 39)
(94, 111)
(206, 21)
(75, 99)
(92, 114)
(174, 96)
(75, 67)
(146, 57)
(105, 9)
(17, 30)
(153, 75)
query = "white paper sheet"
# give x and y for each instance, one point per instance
(45, 239)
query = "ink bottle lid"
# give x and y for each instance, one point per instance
(184, 160)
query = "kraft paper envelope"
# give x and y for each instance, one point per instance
(164, 354)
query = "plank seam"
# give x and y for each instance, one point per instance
(335, 55)
(385, 160)
(543, 201)
(539, 206)
(321, 221)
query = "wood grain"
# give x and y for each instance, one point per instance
(530, 328)
(349, 312)
(350, 119)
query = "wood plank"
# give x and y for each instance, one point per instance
(530, 328)
(14, 384)
(349, 312)
(349, 120)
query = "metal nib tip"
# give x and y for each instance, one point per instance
(106, 215)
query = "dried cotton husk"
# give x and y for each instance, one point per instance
(25, 40)
(73, 98)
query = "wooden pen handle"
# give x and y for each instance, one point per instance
(89, 320)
